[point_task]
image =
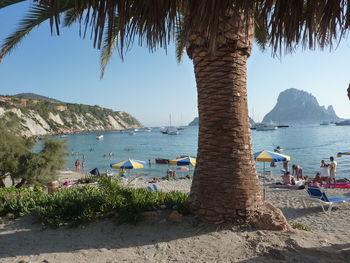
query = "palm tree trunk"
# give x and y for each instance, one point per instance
(225, 182)
(225, 186)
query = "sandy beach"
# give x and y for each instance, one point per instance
(24, 240)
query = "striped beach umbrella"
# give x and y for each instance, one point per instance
(129, 164)
(340, 154)
(187, 160)
(267, 156)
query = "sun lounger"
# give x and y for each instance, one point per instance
(317, 196)
(155, 188)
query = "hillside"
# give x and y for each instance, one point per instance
(195, 122)
(299, 106)
(34, 96)
(48, 116)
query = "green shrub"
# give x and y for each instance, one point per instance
(19, 201)
(300, 226)
(76, 205)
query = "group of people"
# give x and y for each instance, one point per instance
(297, 170)
(327, 173)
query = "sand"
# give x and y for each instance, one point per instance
(25, 240)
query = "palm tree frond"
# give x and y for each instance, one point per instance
(36, 15)
(180, 42)
(70, 17)
(5, 3)
(109, 45)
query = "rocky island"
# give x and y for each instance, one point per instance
(39, 115)
(299, 106)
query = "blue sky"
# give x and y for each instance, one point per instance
(151, 86)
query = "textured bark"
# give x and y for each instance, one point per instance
(225, 185)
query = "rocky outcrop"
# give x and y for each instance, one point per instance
(299, 106)
(195, 122)
(37, 118)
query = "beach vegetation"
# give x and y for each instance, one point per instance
(300, 226)
(218, 36)
(19, 161)
(76, 205)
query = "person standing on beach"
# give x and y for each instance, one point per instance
(333, 169)
(77, 165)
(324, 171)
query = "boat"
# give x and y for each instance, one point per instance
(162, 161)
(135, 130)
(99, 137)
(63, 136)
(180, 128)
(132, 133)
(324, 123)
(343, 123)
(170, 131)
(148, 129)
(265, 127)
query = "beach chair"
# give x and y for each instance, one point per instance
(317, 196)
(155, 188)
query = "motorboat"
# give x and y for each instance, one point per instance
(148, 129)
(162, 161)
(324, 123)
(343, 123)
(265, 127)
(132, 133)
(99, 137)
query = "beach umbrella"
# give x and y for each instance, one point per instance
(187, 160)
(129, 164)
(340, 154)
(267, 156)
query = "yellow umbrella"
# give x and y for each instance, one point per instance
(187, 160)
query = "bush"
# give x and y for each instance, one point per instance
(19, 201)
(86, 203)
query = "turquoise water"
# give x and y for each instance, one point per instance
(307, 145)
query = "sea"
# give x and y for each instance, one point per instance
(307, 145)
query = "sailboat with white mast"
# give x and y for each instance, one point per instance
(169, 131)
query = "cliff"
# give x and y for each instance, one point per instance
(299, 106)
(195, 122)
(48, 117)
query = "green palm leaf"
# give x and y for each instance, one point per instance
(36, 15)
(5, 3)
(109, 45)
